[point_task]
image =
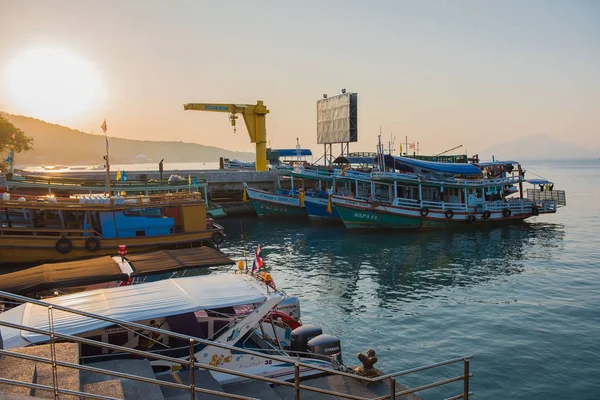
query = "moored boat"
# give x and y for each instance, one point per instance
(423, 194)
(235, 309)
(59, 229)
(40, 185)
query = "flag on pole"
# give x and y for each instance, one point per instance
(118, 177)
(105, 129)
(411, 145)
(195, 181)
(258, 261)
(124, 176)
(13, 136)
(189, 180)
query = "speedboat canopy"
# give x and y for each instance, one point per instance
(132, 303)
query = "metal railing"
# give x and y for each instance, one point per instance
(192, 364)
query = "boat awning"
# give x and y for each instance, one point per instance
(354, 160)
(418, 166)
(132, 303)
(293, 152)
(539, 182)
(61, 275)
(172, 260)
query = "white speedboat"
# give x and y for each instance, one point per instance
(236, 309)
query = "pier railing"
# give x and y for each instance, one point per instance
(192, 364)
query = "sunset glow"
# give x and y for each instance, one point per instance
(53, 84)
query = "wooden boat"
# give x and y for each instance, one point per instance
(50, 229)
(68, 186)
(294, 186)
(423, 194)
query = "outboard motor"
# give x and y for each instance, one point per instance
(325, 345)
(301, 336)
(291, 306)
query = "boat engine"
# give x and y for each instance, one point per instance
(325, 345)
(291, 306)
(301, 336)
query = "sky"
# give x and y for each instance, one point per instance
(441, 73)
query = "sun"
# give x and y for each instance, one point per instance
(53, 84)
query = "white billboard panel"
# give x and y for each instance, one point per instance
(337, 119)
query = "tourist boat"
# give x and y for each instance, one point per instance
(237, 309)
(294, 186)
(419, 194)
(68, 186)
(37, 230)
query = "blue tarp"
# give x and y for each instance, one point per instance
(293, 152)
(412, 165)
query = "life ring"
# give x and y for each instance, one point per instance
(63, 245)
(471, 219)
(218, 238)
(535, 211)
(92, 244)
(424, 211)
(487, 214)
(506, 212)
(449, 214)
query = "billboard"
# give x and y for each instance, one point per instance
(337, 119)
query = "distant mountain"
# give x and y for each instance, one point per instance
(56, 144)
(538, 147)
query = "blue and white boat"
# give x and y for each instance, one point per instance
(416, 194)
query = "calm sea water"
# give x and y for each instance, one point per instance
(525, 299)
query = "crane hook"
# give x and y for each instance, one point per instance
(232, 118)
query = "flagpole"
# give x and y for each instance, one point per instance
(107, 160)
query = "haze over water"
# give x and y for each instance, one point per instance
(522, 298)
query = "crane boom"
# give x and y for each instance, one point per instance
(254, 118)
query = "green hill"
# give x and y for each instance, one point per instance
(56, 144)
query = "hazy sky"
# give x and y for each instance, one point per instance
(443, 73)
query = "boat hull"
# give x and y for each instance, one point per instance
(273, 205)
(317, 210)
(30, 249)
(360, 214)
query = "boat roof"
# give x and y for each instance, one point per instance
(539, 182)
(132, 303)
(413, 165)
(172, 260)
(60, 275)
(293, 152)
(108, 269)
(494, 163)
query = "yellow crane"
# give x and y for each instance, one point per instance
(255, 119)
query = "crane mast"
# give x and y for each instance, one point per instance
(254, 118)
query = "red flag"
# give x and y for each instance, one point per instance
(103, 126)
(258, 261)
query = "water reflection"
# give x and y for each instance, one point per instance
(382, 271)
